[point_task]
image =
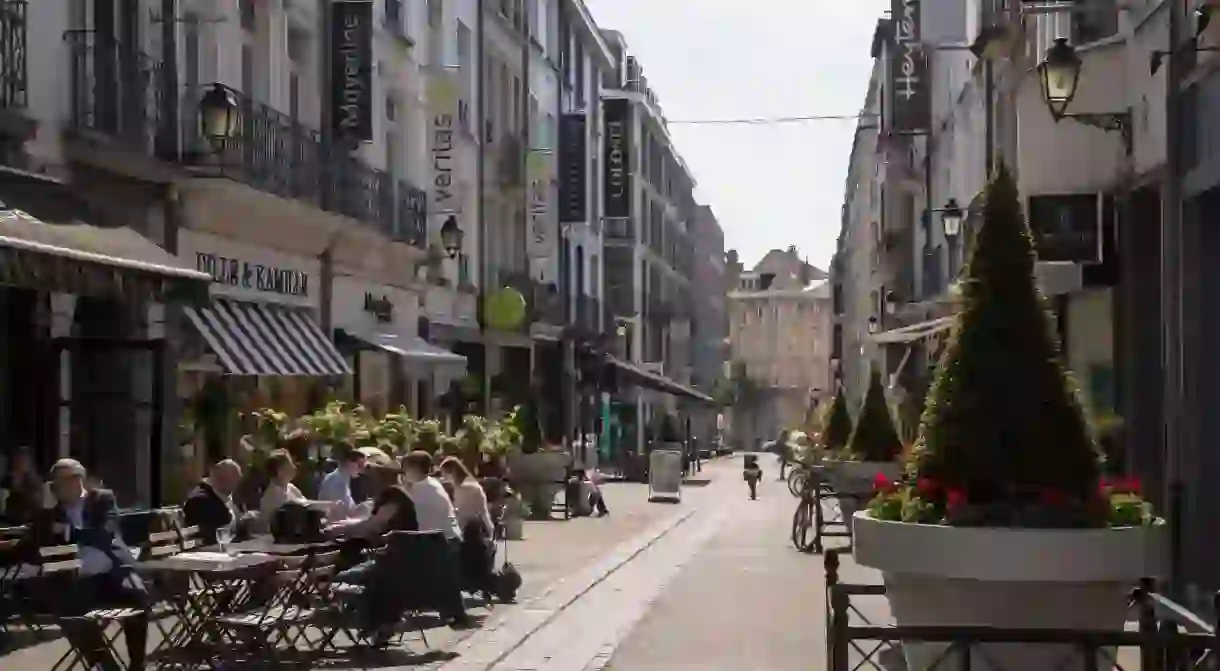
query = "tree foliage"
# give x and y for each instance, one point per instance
(836, 425)
(875, 438)
(1002, 425)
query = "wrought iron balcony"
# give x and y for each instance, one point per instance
(14, 76)
(117, 92)
(275, 153)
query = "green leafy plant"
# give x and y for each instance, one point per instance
(1003, 440)
(428, 436)
(836, 424)
(874, 438)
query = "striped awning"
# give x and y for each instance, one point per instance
(264, 339)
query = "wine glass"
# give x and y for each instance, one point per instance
(223, 537)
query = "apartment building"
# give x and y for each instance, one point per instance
(709, 325)
(780, 317)
(648, 205)
(1103, 193)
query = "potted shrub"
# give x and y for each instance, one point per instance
(873, 450)
(836, 426)
(1003, 518)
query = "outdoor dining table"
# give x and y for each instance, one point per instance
(202, 585)
(266, 544)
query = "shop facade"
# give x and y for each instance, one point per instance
(258, 343)
(83, 350)
(378, 329)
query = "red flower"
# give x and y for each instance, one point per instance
(882, 483)
(1128, 485)
(1052, 497)
(926, 487)
(955, 498)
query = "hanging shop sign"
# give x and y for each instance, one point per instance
(351, 69)
(910, 107)
(1067, 227)
(617, 157)
(541, 238)
(573, 168)
(381, 307)
(443, 192)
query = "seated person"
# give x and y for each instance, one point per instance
(281, 470)
(478, 553)
(24, 493)
(106, 578)
(337, 485)
(210, 504)
(393, 510)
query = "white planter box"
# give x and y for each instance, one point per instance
(1017, 578)
(855, 480)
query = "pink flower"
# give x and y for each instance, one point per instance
(955, 498)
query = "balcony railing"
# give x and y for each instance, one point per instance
(275, 153)
(116, 91)
(14, 76)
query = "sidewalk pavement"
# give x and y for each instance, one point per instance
(549, 552)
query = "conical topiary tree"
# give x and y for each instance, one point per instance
(836, 429)
(1003, 429)
(875, 438)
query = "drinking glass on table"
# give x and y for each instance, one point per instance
(224, 535)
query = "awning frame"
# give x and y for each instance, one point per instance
(659, 382)
(913, 332)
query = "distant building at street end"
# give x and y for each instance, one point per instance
(780, 319)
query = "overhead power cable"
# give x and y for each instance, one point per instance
(775, 120)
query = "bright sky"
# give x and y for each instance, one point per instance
(770, 186)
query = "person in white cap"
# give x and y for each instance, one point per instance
(89, 519)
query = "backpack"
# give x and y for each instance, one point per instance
(295, 522)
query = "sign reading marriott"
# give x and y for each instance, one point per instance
(253, 276)
(908, 71)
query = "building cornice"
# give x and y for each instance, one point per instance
(605, 61)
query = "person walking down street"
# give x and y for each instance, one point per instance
(752, 473)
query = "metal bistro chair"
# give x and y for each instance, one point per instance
(63, 560)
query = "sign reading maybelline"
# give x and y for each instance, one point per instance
(573, 169)
(910, 98)
(617, 158)
(351, 68)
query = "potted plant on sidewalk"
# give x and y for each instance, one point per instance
(872, 451)
(837, 425)
(1003, 518)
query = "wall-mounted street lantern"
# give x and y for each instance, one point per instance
(873, 324)
(219, 116)
(951, 217)
(451, 236)
(891, 303)
(1059, 73)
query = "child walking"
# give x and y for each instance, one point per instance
(752, 474)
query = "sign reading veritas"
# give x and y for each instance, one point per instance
(351, 69)
(910, 106)
(253, 276)
(572, 168)
(617, 159)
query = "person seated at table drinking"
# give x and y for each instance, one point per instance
(281, 470)
(89, 519)
(21, 490)
(210, 504)
(337, 485)
(435, 512)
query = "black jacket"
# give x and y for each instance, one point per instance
(101, 528)
(206, 509)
